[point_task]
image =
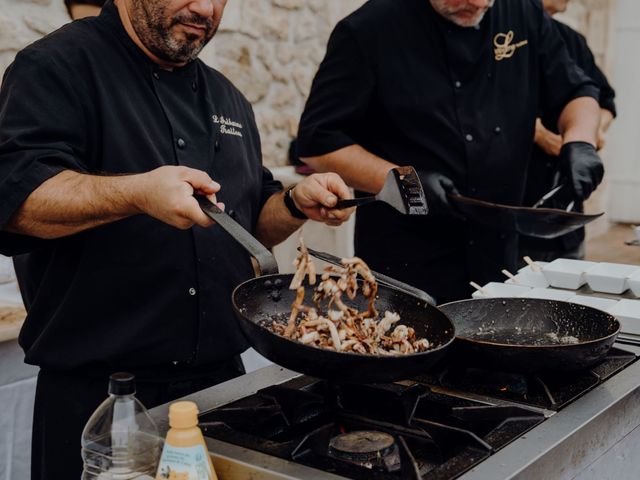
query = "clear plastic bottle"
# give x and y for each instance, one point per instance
(120, 441)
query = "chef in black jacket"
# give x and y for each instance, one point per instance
(451, 87)
(545, 169)
(107, 128)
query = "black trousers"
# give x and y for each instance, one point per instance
(65, 401)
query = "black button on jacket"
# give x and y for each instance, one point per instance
(415, 89)
(137, 292)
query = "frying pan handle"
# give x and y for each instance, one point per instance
(381, 278)
(354, 202)
(265, 259)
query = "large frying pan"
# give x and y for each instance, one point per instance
(256, 306)
(261, 300)
(510, 334)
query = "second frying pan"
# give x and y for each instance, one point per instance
(525, 334)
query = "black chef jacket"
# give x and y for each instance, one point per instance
(136, 292)
(415, 89)
(543, 167)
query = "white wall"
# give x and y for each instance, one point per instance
(624, 149)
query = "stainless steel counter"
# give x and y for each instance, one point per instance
(568, 444)
(231, 461)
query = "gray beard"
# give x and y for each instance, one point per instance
(474, 24)
(150, 24)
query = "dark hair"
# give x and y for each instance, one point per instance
(69, 3)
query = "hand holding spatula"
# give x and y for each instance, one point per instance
(402, 190)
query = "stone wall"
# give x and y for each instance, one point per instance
(269, 48)
(24, 21)
(593, 18)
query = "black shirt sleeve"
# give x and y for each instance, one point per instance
(607, 93)
(12, 244)
(585, 59)
(562, 80)
(41, 134)
(269, 186)
(339, 98)
(42, 128)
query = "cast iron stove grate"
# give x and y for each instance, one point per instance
(382, 431)
(550, 390)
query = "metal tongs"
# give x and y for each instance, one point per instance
(540, 203)
(380, 277)
(402, 190)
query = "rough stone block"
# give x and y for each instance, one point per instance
(289, 4)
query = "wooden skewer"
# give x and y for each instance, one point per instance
(534, 266)
(478, 287)
(509, 274)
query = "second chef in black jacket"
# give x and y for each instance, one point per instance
(451, 87)
(544, 170)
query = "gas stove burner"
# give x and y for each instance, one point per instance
(367, 448)
(495, 383)
(364, 442)
(552, 390)
(362, 432)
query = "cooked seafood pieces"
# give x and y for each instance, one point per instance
(332, 324)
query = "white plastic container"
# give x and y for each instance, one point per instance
(548, 294)
(567, 273)
(529, 279)
(634, 283)
(609, 277)
(120, 441)
(528, 268)
(604, 304)
(628, 313)
(496, 289)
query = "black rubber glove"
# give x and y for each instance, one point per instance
(583, 167)
(436, 186)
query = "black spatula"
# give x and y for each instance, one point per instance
(402, 190)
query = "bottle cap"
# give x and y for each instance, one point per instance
(122, 383)
(183, 415)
